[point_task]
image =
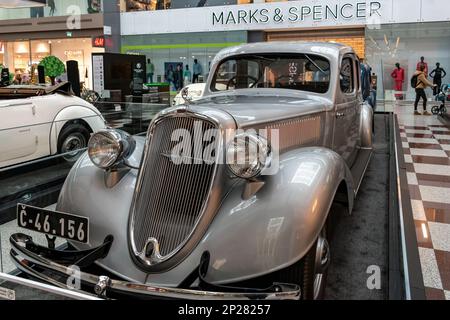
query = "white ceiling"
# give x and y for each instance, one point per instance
(21, 3)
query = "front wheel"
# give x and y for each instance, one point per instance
(72, 141)
(315, 268)
(435, 110)
(310, 273)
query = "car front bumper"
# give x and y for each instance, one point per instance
(35, 261)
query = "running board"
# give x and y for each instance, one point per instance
(360, 166)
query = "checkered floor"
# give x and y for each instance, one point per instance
(426, 147)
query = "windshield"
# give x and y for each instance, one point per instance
(284, 71)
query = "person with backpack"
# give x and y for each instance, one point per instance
(420, 82)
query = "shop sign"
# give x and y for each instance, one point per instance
(298, 14)
(107, 30)
(138, 78)
(98, 42)
(98, 72)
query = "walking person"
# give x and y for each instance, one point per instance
(437, 75)
(420, 82)
(197, 71)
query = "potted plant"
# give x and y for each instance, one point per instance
(53, 67)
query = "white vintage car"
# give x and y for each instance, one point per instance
(38, 121)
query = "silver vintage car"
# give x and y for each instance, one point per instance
(280, 136)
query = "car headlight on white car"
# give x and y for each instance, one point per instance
(109, 148)
(247, 155)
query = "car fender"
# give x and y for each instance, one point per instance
(277, 226)
(88, 114)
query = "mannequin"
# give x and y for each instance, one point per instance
(399, 77)
(422, 63)
(437, 75)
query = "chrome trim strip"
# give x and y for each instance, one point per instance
(287, 291)
(400, 210)
(55, 289)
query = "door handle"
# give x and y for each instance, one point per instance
(340, 115)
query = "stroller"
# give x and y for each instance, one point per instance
(441, 97)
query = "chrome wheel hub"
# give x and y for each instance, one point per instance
(322, 262)
(72, 145)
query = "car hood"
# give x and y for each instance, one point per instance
(250, 109)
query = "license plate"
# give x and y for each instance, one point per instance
(64, 225)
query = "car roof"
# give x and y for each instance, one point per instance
(328, 49)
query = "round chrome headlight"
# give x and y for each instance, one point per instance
(108, 148)
(247, 155)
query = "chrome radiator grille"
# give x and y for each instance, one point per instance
(170, 197)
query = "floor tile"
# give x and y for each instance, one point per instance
(431, 160)
(435, 213)
(443, 261)
(435, 194)
(431, 169)
(405, 145)
(430, 146)
(423, 234)
(418, 131)
(434, 294)
(428, 153)
(418, 210)
(442, 136)
(411, 177)
(430, 270)
(440, 235)
(422, 140)
(447, 295)
(408, 159)
(414, 192)
(446, 147)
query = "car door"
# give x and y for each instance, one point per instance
(346, 126)
(18, 138)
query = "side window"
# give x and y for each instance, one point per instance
(347, 76)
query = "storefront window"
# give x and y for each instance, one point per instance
(53, 8)
(23, 57)
(166, 52)
(405, 44)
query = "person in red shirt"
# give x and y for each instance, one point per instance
(399, 77)
(424, 64)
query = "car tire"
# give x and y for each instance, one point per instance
(310, 273)
(73, 137)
